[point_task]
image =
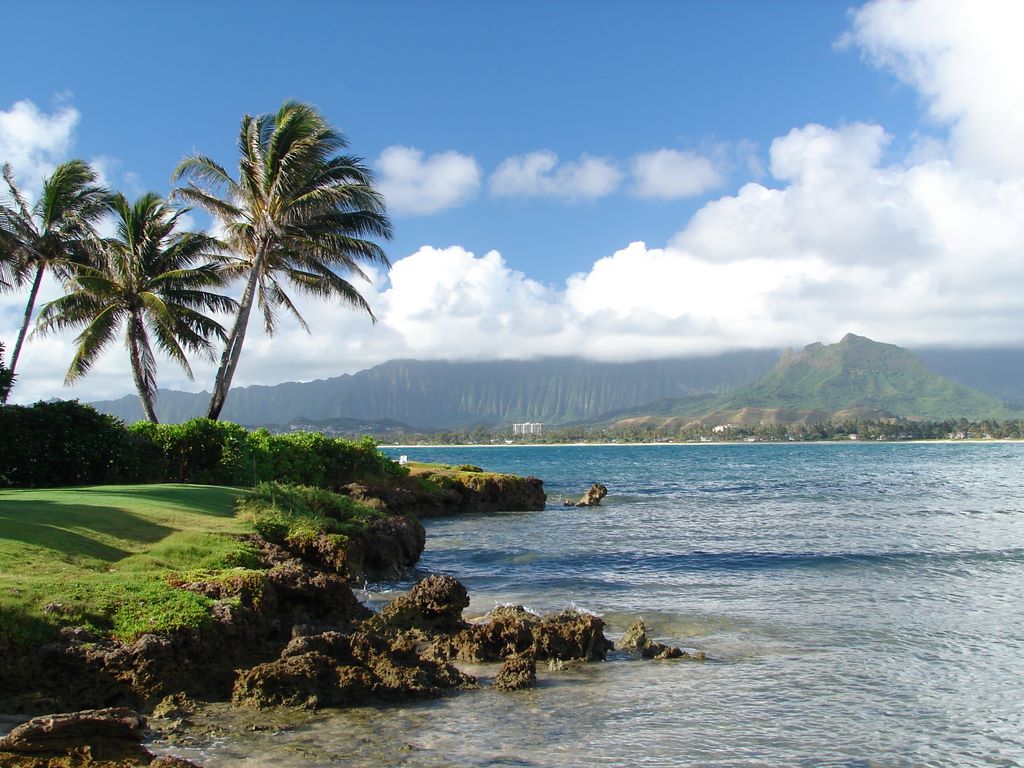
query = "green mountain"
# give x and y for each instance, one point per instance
(855, 378)
(442, 395)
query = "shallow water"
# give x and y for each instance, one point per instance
(860, 605)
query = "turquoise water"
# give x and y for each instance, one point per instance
(860, 605)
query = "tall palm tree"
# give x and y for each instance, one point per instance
(298, 216)
(53, 234)
(145, 281)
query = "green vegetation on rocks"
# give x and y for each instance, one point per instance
(111, 558)
(289, 514)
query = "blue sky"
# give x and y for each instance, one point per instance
(663, 178)
(484, 79)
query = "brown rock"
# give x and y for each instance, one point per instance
(571, 635)
(636, 639)
(591, 498)
(107, 734)
(517, 673)
(511, 630)
(433, 606)
(176, 706)
(307, 680)
(333, 669)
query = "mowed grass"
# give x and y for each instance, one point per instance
(101, 557)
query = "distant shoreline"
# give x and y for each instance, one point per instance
(936, 441)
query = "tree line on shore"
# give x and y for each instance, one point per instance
(300, 216)
(849, 429)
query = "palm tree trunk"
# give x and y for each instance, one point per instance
(233, 346)
(31, 305)
(145, 396)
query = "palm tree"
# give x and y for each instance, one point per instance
(53, 234)
(298, 215)
(143, 280)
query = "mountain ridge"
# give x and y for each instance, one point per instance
(855, 378)
(442, 395)
(438, 395)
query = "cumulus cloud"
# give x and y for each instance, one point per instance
(450, 303)
(837, 203)
(668, 174)
(34, 143)
(964, 59)
(540, 174)
(415, 184)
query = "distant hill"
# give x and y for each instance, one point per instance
(999, 372)
(855, 378)
(444, 395)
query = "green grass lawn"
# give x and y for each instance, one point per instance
(100, 556)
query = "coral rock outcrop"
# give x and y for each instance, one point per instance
(636, 639)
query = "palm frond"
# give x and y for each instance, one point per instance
(209, 202)
(92, 341)
(16, 196)
(278, 298)
(205, 170)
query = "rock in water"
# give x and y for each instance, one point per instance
(517, 673)
(333, 669)
(636, 639)
(591, 498)
(434, 605)
(101, 738)
(110, 734)
(511, 630)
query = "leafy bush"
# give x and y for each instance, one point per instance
(67, 443)
(202, 451)
(6, 377)
(222, 453)
(288, 514)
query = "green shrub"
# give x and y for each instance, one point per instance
(6, 377)
(289, 514)
(202, 451)
(67, 443)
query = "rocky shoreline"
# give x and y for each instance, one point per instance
(295, 635)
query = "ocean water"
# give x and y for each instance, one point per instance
(859, 604)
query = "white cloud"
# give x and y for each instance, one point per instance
(415, 184)
(448, 303)
(539, 174)
(965, 60)
(839, 205)
(669, 173)
(34, 143)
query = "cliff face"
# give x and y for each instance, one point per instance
(439, 395)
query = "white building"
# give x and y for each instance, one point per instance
(528, 428)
